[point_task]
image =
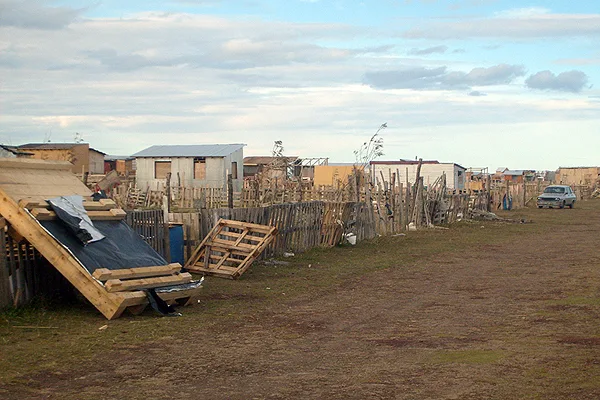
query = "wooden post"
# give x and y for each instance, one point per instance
(229, 190)
(5, 296)
(489, 192)
(168, 190)
(417, 181)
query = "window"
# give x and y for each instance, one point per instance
(161, 169)
(200, 168)
(234, 174)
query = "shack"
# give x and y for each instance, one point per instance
(193, 166)
(430, 171)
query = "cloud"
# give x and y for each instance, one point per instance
(429, 50)
(476, 93)
(34, 14)
(128, 83)
(520, 25)
(441, 78)
(569, 81)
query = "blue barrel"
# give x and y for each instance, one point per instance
(176, 240)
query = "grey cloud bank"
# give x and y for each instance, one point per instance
(570, 81)
(441, 78)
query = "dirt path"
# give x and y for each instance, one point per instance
(483, 318)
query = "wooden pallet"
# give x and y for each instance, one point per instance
(24, 186)
(230, 248)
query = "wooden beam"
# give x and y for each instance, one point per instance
(89, 205)
(117, 285)
(12, 232)
(42, 214)
(245, 225)
(104, 274)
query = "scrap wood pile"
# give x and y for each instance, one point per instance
(87, 241)
(230, 248)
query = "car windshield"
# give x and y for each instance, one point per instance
(554, 190)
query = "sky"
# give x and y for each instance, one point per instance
(482, 83)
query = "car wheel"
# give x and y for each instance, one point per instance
(540, 206)
(562, 205)
(572, 205)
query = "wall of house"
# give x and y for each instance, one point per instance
(237, 157)
(578, 176)
(216, 172)
(96, 162)
(328, 175)
(455, 176)
(78, 155)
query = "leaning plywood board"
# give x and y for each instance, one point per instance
(230, 248)
(39, 179)
(30, 183)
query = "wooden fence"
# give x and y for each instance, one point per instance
(301, 226)
(25, 274)
(151, 226)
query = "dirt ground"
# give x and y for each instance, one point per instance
(484, 310)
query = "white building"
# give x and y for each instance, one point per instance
(430, 171)
(190, 165)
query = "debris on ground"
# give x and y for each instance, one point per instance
(481, 215)
(276, 262)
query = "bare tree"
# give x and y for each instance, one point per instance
(370, 150)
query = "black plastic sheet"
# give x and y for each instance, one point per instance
(121, 247)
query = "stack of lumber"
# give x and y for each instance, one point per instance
(230, 248)
(121, 280)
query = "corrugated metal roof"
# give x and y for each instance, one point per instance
(186, 150)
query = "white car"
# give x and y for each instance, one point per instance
(557, 196)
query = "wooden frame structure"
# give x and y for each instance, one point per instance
(25, 184)
(230, 248)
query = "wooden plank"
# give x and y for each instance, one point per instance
(89, 205)
(42, 214)
(104, 274)
(244, 225)
(232, 245)
(117, 285)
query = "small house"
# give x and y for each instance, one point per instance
(430, 171)
(205, 165)
(518, 175)
(335, 174)
(122, 164)
(83, 158)
(273, 167)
